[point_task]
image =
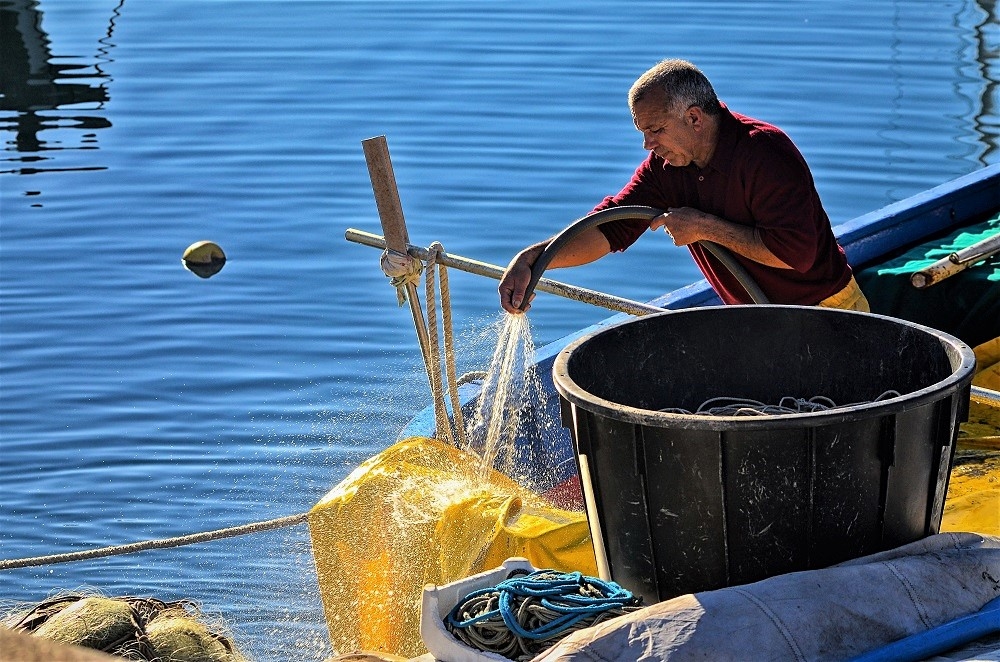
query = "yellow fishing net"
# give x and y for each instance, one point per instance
(425, 512)
(973, 502)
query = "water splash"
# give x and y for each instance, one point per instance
(510, 385)
(416, 500)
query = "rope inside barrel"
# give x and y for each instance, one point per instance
(737, 406)
(525, 614)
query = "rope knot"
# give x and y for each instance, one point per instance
(434, 250)
(402, 270)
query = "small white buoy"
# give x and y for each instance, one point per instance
(204, 259)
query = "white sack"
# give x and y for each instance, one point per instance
(829, 614)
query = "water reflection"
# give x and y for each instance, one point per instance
(970, 66)
(986, 36)
(34, 83)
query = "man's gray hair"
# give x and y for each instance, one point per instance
(682, 85)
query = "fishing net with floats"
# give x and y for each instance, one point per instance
(141, 629)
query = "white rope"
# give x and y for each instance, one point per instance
(436, 249)
(434, 351)
(254, 527)
(403, 271)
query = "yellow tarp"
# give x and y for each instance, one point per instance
(424, 512)
(973, 502)
(988, 365)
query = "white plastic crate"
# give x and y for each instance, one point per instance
(438, 601)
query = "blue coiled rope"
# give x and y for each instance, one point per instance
(526, 613)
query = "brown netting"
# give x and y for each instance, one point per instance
(133, 628)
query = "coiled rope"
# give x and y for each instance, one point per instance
(527, 613)
(115, 550)
(787, 405)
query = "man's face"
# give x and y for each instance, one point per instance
(670, 136)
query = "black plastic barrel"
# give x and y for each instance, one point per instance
(680, 503)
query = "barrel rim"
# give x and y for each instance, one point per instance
(961, 377)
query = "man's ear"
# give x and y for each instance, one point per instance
(694, 116)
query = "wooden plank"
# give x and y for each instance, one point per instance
(390, 209)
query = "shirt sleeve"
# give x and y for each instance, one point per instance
(643, 190)
(783, 201)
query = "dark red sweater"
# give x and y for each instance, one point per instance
(758, 178)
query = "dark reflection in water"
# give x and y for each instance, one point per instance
(986, 37)
(33, 84)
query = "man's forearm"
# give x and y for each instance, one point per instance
(588, 246)
(746, 241)
(686, 226)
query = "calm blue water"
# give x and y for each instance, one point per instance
(139, 401)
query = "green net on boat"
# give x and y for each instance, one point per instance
(966, 305)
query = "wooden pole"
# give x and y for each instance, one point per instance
(390, 212)
(948, 266)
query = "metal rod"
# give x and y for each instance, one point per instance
(985, 396)
(977, 251)
(469, 265)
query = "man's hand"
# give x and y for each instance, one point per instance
(682, 224)
(515, 280)
(686, 225)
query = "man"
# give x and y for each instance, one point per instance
(722, 177)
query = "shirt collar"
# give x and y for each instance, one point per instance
(725, 143)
